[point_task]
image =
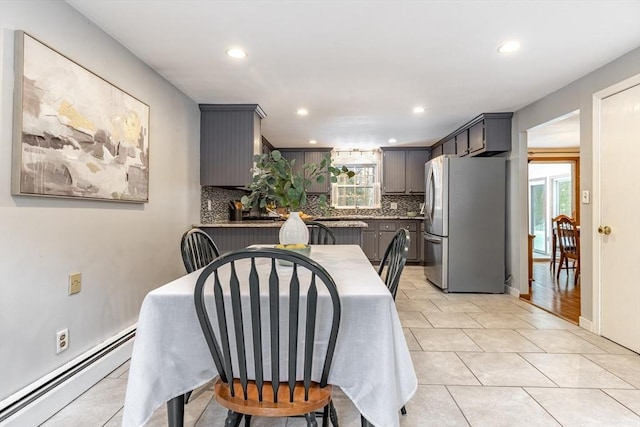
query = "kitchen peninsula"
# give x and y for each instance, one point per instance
(231, 235)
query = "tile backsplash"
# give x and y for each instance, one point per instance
(220, 197)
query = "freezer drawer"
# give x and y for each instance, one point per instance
(435, 259)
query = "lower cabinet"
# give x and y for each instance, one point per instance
(377, 237)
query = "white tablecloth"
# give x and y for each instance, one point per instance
(372, 364)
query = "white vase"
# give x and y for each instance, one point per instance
(294, 230)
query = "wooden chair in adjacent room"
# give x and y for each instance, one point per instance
(569, 244)
(555, 248)
(198, 249)
(243, 342)
(320, 234)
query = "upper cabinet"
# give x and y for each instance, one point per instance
(303, 156)
(486, 135)
(230, 135)
(403, 170)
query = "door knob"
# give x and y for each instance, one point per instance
(606, 230)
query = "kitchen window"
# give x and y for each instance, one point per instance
(362, 191)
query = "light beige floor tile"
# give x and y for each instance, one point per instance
(500, 307)
(460, 306)
(500, 407)
(504, 369)
(412, 343)
(501, 340)
(215, 415)
(93, 408)
(193, 411)
(413, 319)
(601, 342)
(424, 306)
(574, 370)
(580, 407)
(426, 293)
(120, 370)
(547, 321)
(464, 297)
(442, 368)
(626, 367)
(452, 320)
(432, 406)
(444, 340)
(500, 321)
(559, 341)
(629, 398)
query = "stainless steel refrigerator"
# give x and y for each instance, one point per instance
(464, 228)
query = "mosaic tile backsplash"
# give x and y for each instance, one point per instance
(220, 197)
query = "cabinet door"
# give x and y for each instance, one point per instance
(384, 239)
(476, 137)
(297, 155)
(462, 143)
(436, 151)
(393, 175)
(449, 146)
(316, 157)
(369, 244)
(414, 250)
(415, 170)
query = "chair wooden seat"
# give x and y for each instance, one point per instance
(319, 397)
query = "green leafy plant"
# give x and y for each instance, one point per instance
(274, 181)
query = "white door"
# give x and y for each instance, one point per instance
(620, 210)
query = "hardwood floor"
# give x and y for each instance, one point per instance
(560, 298)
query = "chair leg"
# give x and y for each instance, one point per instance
(562, 260)
(187, 395)
(311, 419)
(333, 414)
(325, 416)
(247, 420)
(403, 410)
(233, 419)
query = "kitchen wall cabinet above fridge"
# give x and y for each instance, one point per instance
(486, 135)
(230, 135)
(403, 170)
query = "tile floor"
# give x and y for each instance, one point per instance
(481, 360)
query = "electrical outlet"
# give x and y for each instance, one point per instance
(209, 205)
(394, 205)
(586, 197)
(75, 283)
(62, 340)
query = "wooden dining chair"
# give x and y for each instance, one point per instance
(569, 244)
(245, 317)
(555, 248)
(320, 234)
(394, 259)
(198, 249)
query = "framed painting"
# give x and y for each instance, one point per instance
(75, 134)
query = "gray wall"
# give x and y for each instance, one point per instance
(576, 95)
(122, 250)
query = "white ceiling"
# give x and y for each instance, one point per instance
(360, 67)
(563, 132)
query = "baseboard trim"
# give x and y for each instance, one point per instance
(586, 324)
(39, 401)
(512, 291)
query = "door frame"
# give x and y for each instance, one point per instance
(595, 196)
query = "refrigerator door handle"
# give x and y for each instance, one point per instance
(432, 195)
(432, 239)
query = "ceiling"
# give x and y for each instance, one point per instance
(360, 67)
(563, 132)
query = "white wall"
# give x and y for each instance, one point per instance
(122, 250)
(577, 95)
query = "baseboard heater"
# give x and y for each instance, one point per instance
(63, 376)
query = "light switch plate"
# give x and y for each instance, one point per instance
(75, 283)
(586, 197)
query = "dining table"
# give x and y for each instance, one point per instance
(372, 364)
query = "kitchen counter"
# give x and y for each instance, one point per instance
(277, 224)
(330, 219)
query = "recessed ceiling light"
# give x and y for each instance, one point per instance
(236, 53)
(418, 110)
(313, 141)
(509, 47)
(392, 141)
(302, 112)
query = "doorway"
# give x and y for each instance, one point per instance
(553, 189)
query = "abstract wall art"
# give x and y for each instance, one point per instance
(75, 134)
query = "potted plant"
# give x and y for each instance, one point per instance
(275, 183)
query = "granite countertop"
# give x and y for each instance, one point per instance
(365, 217)
(276, 223)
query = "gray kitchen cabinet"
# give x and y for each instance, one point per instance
(393, 166)
(229, 138)
(415, 160)
(437, 151)
(379, 234)
(303, 156)
(449, 146)
(403, 170)
(462, 143)
(370, 241)
(414, 234)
